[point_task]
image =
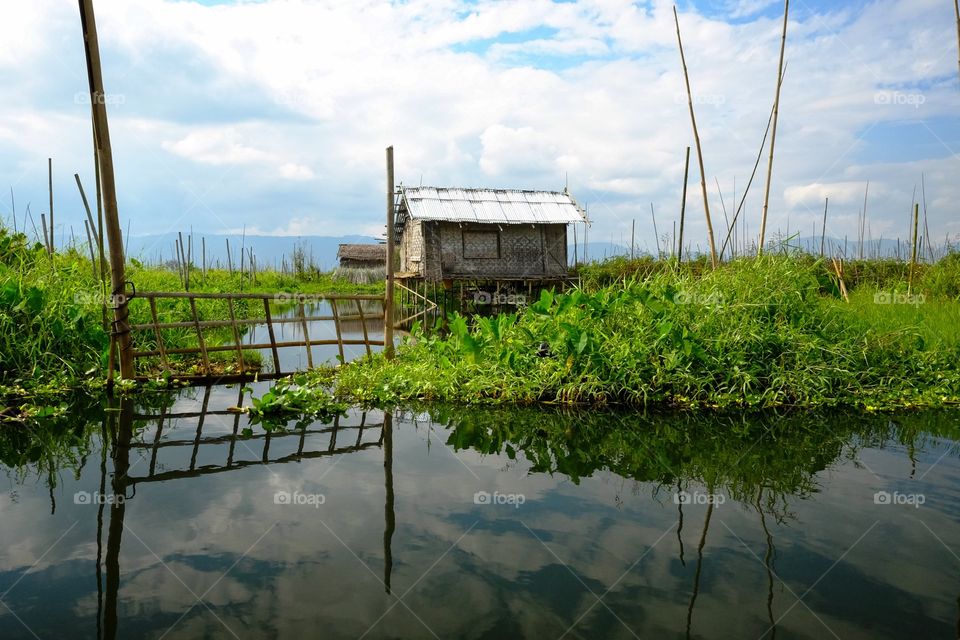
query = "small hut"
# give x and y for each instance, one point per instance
(362, 256)
(484, 234)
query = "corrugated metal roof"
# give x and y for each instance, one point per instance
(491, 206)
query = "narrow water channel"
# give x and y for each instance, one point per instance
(172, 517)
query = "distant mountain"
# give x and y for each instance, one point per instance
(269, 251)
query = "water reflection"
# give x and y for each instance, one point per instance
(778, 535)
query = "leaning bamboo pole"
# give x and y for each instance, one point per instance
(956, 8)
(120, 329)
(773, 132)
(696, 139)
(823, 232)
(683, 206)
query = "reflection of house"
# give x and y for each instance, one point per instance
(362, 256)
(484, 234)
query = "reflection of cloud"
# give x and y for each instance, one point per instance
(499, 576)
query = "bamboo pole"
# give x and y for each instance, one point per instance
(46, 237)
(50, 188)
(93, 261)
(112, 217)
(336, 326)
(86, 208)
(683, 206)
(236, 335)
(823, 234)
(363, 325)
(656, 234)
(913, 252)
(388, 298)
(273, 337)
(773, 132)
(157, 334)
(956, 8)
(696, 139)
(306, 334)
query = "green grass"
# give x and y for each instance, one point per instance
(756, 333)
(52, 333)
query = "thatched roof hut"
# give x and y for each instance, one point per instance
(362, 256)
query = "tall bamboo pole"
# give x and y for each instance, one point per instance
(823, 233)
(956, 8)
(696, 139)
(683, 206)
(388, 300)
(50, 188)
(121, 329)
(773, 132)
(913, 252)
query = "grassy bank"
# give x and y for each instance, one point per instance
(52, 331)
(757, 333)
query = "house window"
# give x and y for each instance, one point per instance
(480, 245)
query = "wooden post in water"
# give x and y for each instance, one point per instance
(121, 329)
(388, 299)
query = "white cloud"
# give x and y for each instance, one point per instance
(235, 109)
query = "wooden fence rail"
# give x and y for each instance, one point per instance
(343, 308)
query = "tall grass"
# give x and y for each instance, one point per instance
(761, 332)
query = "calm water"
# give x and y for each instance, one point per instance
(479, 524)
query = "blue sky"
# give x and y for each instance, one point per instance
(274, 115)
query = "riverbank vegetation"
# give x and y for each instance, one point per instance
(54, 327)
(756, 333)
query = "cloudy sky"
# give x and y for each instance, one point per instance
(274, 115)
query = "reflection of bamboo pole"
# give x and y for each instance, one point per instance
(768, 563)
(696, 577)
(683, 562)
(389, 516)
(696, 140)
(773, 132)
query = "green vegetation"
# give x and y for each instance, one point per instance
(757, 333)
(54, 330)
